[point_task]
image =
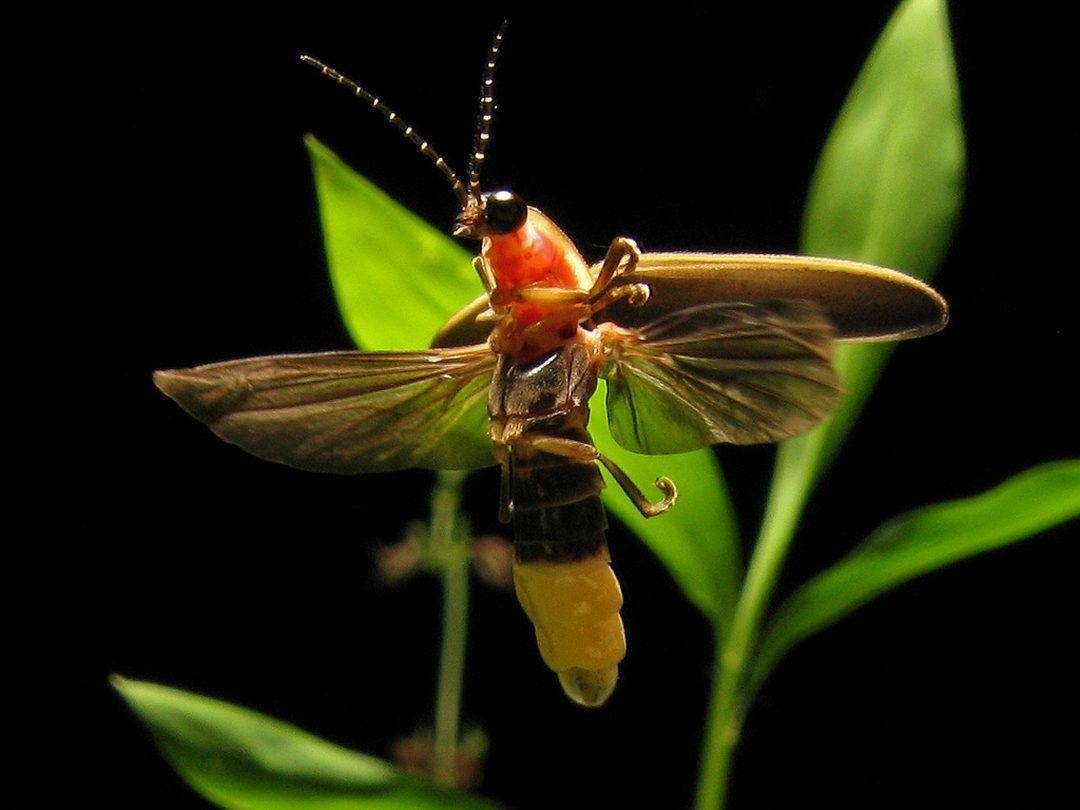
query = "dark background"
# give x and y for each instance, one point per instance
(161, 186)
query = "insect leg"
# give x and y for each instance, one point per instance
(636, 496)
(483, 269)
(635, 295)
(622, 247)
(506, 494)
(582, 451)
(552, 296)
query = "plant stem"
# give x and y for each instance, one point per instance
(787, 497)
(721, 735)
(453, 551)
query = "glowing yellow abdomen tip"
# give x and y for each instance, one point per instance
(589, 687)
(574, 607)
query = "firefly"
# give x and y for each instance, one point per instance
(696, 349)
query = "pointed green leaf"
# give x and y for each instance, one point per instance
(240, 759)
(919, 542)
(887, 190)
(697, 539)
(396, 278)
(889, 181)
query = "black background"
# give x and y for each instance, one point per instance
(163, 191)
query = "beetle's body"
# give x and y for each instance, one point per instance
(696, 349)
(546, 373)
(561, 572)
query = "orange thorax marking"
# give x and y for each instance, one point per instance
(527, 257)
(538, 254)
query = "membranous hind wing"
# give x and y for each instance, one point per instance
(736, 372)
(754, 365)
(347, 412)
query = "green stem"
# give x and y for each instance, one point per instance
(787, 497)
(453, 551)
(721, 735)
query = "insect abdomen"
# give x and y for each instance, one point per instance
(562, 573)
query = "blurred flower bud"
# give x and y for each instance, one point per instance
(416, 754)
(399, 562)
(493, 560)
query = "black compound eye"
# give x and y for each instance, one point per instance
(504, 211)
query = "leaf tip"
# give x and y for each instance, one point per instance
(123, 686)
(316, 149)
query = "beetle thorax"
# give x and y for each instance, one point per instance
(536, 256)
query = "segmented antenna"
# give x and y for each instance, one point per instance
(487, 110)
(406, 129)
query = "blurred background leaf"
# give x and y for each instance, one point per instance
(919, 542)
(396, 278)
(887, 190)
(241, 759)
(697, 540)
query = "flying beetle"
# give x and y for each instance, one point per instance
(696, 348)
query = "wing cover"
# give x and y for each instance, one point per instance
(463, 329)
(347, 412)
(738, 373)
(863, 301)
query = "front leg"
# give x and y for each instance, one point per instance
(487, 276)
(621, 248)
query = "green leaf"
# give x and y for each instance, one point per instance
(238, 758)
(396, 278)
(697, 539)
(889, 181)
(887, 190)
(921, 541)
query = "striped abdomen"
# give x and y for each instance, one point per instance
(561, 569)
